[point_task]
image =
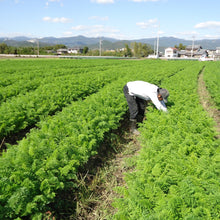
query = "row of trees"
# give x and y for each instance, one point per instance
(180, 47)
(142, 50)
(29, 50)
(134, 50)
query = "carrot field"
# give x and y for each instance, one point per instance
(55, 114)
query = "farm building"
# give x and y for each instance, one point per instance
(216, 54)
(69, 50)
(75, 50)
(171, 52)
(195, 51)
(62, 51)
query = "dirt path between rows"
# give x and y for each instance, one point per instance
(98, 204)
(101, 187)
(96, 181)
(208, 104)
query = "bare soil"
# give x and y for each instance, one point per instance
(14, 138)
(105, 171)
(109, 174)
(117, 166)
(96, 181)
(208, 104)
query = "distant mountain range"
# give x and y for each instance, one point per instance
(107, 43)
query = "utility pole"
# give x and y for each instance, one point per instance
(37, 47)
(155, 47)
(100, 47)
(37, 42)
(157, 53)
(192, 46)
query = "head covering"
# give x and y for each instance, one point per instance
(164, 93)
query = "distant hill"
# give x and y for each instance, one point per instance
(171, 42)
(108, 43)
(22, 42)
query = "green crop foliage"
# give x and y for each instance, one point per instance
(177, 173)
(212, 81)
(174, 172)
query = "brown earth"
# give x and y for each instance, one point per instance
(96, 181)
(208, 104)
(106, 170)
(115, 176)
(101, 182)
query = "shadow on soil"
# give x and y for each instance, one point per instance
(78, 203)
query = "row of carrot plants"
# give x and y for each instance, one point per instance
(31, 83)
(47, 161)
(27, 109)
(212, 81)
(14, 80)
(15, 70)
(176, 174)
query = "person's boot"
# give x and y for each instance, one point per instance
(133, 127)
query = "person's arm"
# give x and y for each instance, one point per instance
(160, 105)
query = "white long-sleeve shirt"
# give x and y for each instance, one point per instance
(146, 91)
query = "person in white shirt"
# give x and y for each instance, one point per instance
(137, 93)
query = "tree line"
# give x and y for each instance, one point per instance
(29, 50)
(134, 50)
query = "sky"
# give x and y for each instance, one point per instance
(120, 19)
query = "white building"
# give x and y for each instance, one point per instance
(75, 50)
(62, 51)
(69, 51)
(171, 52)
(218, 50)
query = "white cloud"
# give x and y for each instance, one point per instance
(15, 34)
(80, 28)
(145, 0)
(188, 33)
(18, 1)
(95, 30)
(99, 18)
(103, 1)
(147, 24)
(54, 1)
(57, 20)
(68, 33)
(207, 36)
(208, 24)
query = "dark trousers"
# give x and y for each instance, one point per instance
(136, 105)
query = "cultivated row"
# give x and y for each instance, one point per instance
(47, 161)
(177, 171)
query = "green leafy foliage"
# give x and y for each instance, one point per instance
(177, 172)
(26, 109)
(47, 160)
(212, 81)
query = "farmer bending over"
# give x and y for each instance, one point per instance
(137, 93)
